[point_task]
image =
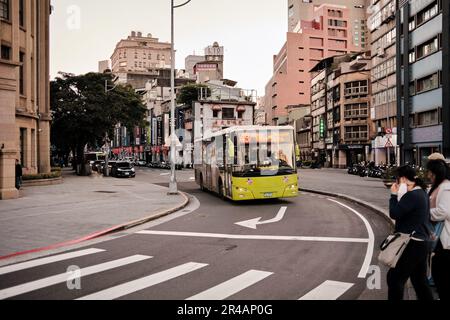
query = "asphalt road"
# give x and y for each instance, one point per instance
(319, 249)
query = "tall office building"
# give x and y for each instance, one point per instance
(190, 62)
(328, 33)
(103, 66)
(24, 90)
(423, 64)
(299, 10)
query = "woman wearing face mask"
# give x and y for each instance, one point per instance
(409, 207)
(438, 173)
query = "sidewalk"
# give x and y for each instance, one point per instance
(81, 206)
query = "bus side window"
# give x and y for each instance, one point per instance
(235, 162)
(219, 151)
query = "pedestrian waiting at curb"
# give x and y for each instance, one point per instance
(19, 175)
(409, 207)
(439, 175)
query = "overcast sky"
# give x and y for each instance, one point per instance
(84, 32)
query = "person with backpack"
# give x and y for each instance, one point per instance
(409, 207)
(439, 175)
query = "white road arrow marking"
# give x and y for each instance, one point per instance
(254, 223)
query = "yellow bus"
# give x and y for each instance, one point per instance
(248, 163)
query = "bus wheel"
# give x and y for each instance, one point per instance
(221, 191)
(202, 187)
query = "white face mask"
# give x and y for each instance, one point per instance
(402, 191)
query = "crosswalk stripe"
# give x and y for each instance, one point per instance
(48, 260)
(143, 283)
(233, 286)
(63, 277)
(329, 290)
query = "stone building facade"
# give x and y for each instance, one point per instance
(24, 90)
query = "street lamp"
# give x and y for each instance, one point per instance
(173, 187)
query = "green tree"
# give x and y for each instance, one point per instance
(84, 114)
(190, 93)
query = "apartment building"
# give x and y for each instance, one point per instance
(24, 90)
(340, 104)
(423, 64)
(382, 26)
(299, 10)
(328, 33)
(140, 53)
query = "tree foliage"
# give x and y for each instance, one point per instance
(190, 93)
(84, 114)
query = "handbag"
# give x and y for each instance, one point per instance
(436, 235)
(393, 247)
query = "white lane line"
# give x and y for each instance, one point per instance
(48, 260)
(63, 277)
(329, 290)
(233, 286)
(143, 283)
(164, 174)
(371, 244)
(192, 178)
(250, 237)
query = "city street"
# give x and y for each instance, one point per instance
(310, 247)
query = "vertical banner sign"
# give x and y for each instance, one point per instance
(154, 131)
(322, 128)
(159, 139)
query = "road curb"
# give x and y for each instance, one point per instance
(379, 211)
(98, 234)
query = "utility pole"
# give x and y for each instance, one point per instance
(173, 187)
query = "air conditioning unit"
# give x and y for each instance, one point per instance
(381, 52)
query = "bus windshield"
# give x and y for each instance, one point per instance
(264, 153)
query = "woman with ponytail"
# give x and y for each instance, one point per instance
(409, 207)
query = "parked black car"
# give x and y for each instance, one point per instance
(96, 165)
(111, 164)
(123, 169)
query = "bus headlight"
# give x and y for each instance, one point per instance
(293, 187)
(241, 189)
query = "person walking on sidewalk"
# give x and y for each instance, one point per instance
(409, 207)
(439, 174)
(19, 175)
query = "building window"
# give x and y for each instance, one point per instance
(6, 53)
(22, 73)
(228, 113)
(424, 119)
(427, 13)
(357, 88)
(412, 57)
(357, 110)
(5, 9)
(215, 114)
(356, 133)
(21, 13)
(428, 83)
(23, 143)
(427, 48)
(33, 148)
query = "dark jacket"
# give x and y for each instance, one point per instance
(18, 171)
(412, 213)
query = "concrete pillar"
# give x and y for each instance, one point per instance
(8, 147)
(43, 86)
(44, 147)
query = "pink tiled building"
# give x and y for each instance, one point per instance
(330, 32)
